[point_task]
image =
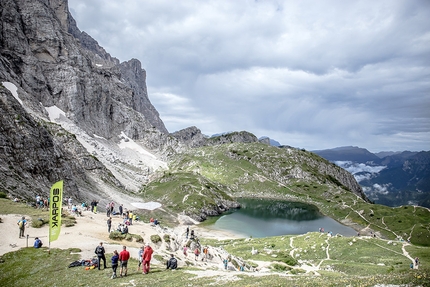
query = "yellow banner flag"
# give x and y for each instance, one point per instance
(55, 205)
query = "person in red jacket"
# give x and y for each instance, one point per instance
(124, 255)
(146, 258)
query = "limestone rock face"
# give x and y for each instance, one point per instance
(53, 63)
(193, 137)
(45, 54)
(32, 158)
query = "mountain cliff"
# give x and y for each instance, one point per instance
(72, 111)
(57, 67)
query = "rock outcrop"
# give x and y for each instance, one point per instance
(193, 137)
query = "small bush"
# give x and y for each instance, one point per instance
(2, 194)
(155, 238)
(166, 238)
(297, 271)
(39, 222)
(116, 235)
(279, 267)
(138, 238)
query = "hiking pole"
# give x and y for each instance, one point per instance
(27, 240)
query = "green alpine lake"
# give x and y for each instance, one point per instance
(267, 217)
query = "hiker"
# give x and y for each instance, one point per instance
(124, 230)
(242, 267)
(120, 228)
(139, 257)
(45, 203)
(123, 258)
(225, 261)
(109, 223)
(205, 253)
(100, 251)
(185, 250)
(417, 262)
(37, 243)
(107, 210)
(75, 209)
(95, 206)
(112, 205)
(120, 210)
(21, 224)
(146, 258)
(69, 201)
(192, 234)
(130, 217)
(172, 263)
(156, 222)
(114, 261)
(196, 253)
(38, 201)
(186, 232)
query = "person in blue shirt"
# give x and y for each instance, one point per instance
(37, 243)
(114, 261)
(21, 224)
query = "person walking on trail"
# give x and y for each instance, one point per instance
(109, 223)
(124, 255)
(114, 261)
(187, 232)
(147, 255)
(172, 263)
(139, 257)
(100, 251)
(21, 225)
(205, 253)
(225, 261)
(196, 253)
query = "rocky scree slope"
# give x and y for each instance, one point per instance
(34, 154)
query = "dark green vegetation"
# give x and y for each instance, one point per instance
(116, 235)
(199, 178)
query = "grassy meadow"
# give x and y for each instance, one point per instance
(281, 261)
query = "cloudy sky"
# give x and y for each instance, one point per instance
(310, 74)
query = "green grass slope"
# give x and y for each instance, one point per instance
(204, 177)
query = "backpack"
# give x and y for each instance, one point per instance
(99, 250)
(21, 224)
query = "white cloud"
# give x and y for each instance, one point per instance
(313, 74)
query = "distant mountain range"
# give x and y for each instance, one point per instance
(389, 178)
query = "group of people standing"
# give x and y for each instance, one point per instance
(121, 259)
